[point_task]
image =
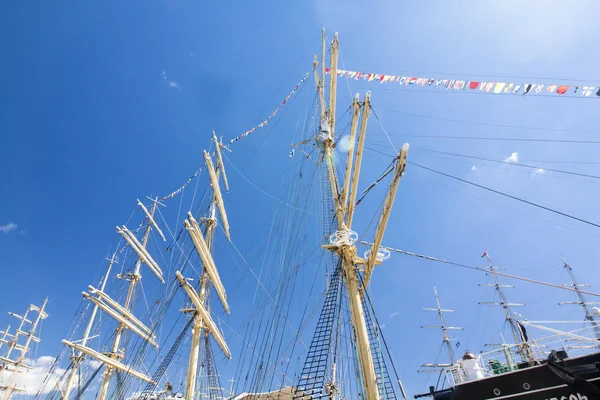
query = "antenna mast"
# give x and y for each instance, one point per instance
(516, 328)
(447, 340)
(15, 365)
(584, 304)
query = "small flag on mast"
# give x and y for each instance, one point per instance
(484, 254)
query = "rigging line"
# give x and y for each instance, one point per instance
(502, 139)
(507, 208)
(505, 168)
(384, 131)
(518, 164)
(508, 195)
(461, 121)
(487, 271)
(262, 191)
(265, 290)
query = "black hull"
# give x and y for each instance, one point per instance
(571, 379)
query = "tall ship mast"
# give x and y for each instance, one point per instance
(444, 328)
(322, 225)
(585, 305)
(17, 345)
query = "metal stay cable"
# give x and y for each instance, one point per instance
(487, 271)
(508, 195)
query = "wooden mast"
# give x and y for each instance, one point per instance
(341, 242)
(13, 344)
(86, 336)
(135, 278)
(203, 325)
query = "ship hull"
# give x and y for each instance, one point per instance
(571, 379)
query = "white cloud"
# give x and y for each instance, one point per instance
(174, 85)
(32, 381)
(539, 171)
(8, 227)
(382, 326)
(514, 158)
(473, 168)
(163, 75)
(394, 314)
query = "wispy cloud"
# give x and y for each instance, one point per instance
(382, 326)
(170, 83)
(473, 168)
(514, 158)
(539, 171)
(394, 314)
(8, 227)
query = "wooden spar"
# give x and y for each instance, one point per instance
(359, 154)
(124, 319)
(151, 219)
(335, 45)
(319, 82)
(217, 191)
(141, 251)
(127, 314)
(353, 126)
(86, 336)
(201, 247)
(108, 361)
(360, 328)
(208, 322)
(385, 215)
(220, 165)
(323, 40)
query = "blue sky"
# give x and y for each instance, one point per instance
(106, 103)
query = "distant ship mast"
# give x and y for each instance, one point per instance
(523, 348)
(589, 316)
(447, 340)
(13, 364)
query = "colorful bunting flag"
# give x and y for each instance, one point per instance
(488, 87)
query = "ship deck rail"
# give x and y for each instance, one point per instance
(511, 357)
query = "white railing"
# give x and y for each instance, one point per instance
(508, 358)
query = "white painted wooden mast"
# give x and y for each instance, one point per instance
(78, 359)
(203, 325)
(344, 201)
(16, 363)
